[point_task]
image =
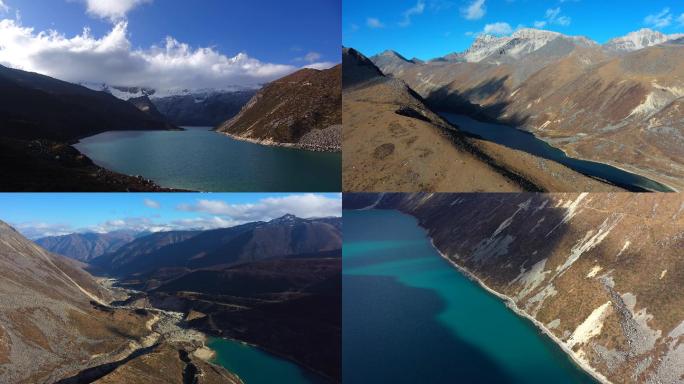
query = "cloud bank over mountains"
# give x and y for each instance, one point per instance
(112, 58)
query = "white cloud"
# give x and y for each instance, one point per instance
(302, 205)
(112, 59)
(211, 214)
(152, 204)
(311, 57)
(659, 20)
(113, 10)
(498, 29)
(540, 24)
(475, 11)
(553, 15)
(3, 7)
(372, 22)
(36, 230)
(415, 10)
(321, 66)
(680, 19)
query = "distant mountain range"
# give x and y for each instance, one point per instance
(301, 110)
(204, 108)
(616, 103)
(603, 273)
(86, 246)
(190, 250)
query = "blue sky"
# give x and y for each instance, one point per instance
(288, 34)
(431, 28)
(37, 215)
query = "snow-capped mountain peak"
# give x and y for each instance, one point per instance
(125, 93)
(640, 39)
(521, 42)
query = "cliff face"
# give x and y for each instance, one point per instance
(300, 110)
(602, 272)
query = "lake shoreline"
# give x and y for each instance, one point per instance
(444, 115)
(513, 306)
(271, 143)
(263, 349)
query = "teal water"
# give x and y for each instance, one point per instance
(255, 366)
(527, 142)
(410, 317)
(202, 160)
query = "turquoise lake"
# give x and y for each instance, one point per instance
(255, 366)
(411, 317)
(527, 142)
(199, 159)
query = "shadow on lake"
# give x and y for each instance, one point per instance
(391, 335)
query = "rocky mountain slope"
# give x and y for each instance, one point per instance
(593, 102)
(395, 142)
(301, 110)
(144, 104)
(602, 273)
(86, 246)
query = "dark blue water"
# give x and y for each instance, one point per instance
(527, 142)
(410, 317)
(255, 366)
(202, 160)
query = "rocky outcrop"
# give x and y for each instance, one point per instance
(602, 273)
(299, 111)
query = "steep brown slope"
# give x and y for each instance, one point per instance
(301, 110)
(49, 324)
(394, 142)
(602, 272)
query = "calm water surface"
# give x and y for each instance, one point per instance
(411, 317)
(527, 142)
(203, 160)
(255, 366)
